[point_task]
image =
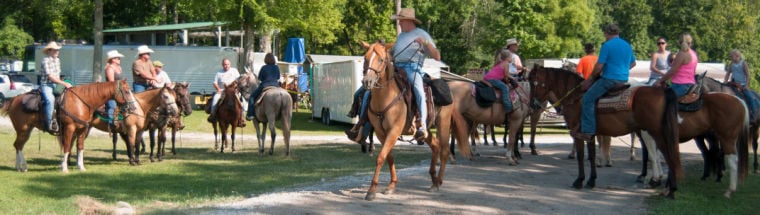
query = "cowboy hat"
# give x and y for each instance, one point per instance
(158, 63)
(51, 45)
(143, 49)
(406, 13)
(512, 41)
(113, 54)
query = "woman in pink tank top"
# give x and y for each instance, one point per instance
(681, 73)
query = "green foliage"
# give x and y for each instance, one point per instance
(12, 39)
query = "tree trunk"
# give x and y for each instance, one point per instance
(97, 55)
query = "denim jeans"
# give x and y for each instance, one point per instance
(504, 93)
(110, 107)
(252, 101)
(414, 74)
(588, 103)
(364, 93)
(214, 101)
(680, 89)
(139, 87)
(48, 101)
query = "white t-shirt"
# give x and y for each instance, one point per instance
(515, 62)
(161, 79)
(406, 50)
(225, 78)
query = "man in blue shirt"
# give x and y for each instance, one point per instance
(615, 60)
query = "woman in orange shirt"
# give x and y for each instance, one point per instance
(586, 64)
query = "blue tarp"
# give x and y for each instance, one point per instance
(295, 53)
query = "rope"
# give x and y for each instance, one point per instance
(558, 102)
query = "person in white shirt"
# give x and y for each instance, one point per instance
(224, 77)
(162, 79)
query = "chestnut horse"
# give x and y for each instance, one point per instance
(464, 98)
(274, 104)
(388, 115)
(653, 109)
(229, 112)
(133, 125)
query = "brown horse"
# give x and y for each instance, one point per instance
(77, 109)
(388, 115)
(229, 113)
(133, 124)
(158, 120)
(463, 96)
(653, 110)
(274, 104)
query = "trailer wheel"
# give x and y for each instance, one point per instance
(322, 116)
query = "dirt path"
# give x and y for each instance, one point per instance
(539, 185)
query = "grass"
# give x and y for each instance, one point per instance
(302, 124)
(695, 196)
(197, 174)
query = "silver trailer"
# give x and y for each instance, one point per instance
(333, 86)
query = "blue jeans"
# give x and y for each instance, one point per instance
(680, 89)
(588, 103)
(139, 87)
(365, 101)
(504, 93)
(252, 101)
(48, 102)
(214, 101)
(414, 74)
(110, 107)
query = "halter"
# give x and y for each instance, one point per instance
(383, 63)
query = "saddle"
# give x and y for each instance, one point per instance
(618, 98)
(411, 104)
(485, 94)
(31, 102)
(264, 91)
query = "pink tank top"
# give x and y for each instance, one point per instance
(496, 73)
(685, 74)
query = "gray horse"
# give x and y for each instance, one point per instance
(274, 104)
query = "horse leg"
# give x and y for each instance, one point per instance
(80, 149)
(633, 146)
(161, 143)
(604, 147)
(651, 154)
(152, 135)
(534, 117)
(114, 139)
(232, 136)
(21, 137)
(286, 119)
(273, 133)
(388, 144)
(706, 157)
(591, 183)
(644, 159)
(512, 126)
(436, 156)
(259, 135)
(753, 132)
(578, 184)
(223, 132)
(216, 137)
(174, 134)
(732, 161)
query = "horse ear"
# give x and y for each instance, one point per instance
(364, 44)
(389, 46)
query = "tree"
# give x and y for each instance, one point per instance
(12, 39)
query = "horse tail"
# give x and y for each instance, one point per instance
(7, 106)
(459, 125)
(743, 145)
(670, 131)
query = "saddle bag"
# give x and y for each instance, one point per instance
(440, 90)
(31, 101)
(485, 95)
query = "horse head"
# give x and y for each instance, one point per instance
(246, 82)
(378, 60)
(168, 100)
(547, 83)
(182, 92)
(124, 95)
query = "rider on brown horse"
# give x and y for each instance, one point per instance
(223, 78)
(50, 75)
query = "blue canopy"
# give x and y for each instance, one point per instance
(295, 53)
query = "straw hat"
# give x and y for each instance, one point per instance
(52, 45)
(143, 49)
(406, 13)
(113, 54)
(158, 63)
(512, 41)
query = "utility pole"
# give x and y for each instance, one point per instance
(398, 10)
(97, 56)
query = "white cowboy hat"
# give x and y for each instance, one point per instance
(512, 41)
(113, 54)
(143, 49)
(51, 45)
(406, 13)
(158, 63)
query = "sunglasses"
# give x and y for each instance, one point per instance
(660, 43)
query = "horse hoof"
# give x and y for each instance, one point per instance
(389, 191)
(727, 194)
(654, 183)
(578, 184)
(608, 165)
(640, 178)
(591, 184)
(533, 152)
(433, 189)
(370, 196)
(571, 157)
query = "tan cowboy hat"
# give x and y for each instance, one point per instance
(512, 41)
(51, 45)
(143, 49)
(406, 13)
(113, 54)
(158, 63)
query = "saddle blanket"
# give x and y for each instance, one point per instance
(620, 102)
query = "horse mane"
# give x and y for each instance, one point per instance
(561, 77)
(94, 89)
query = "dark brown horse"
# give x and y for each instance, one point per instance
(388, 115)
(77, 109)
(652, 110)
(229, 113)
(157, 121)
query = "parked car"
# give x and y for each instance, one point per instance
(12, 84)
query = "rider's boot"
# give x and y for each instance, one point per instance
(355, 133)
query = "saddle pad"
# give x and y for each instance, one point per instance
(621, 102)
(264, 91)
